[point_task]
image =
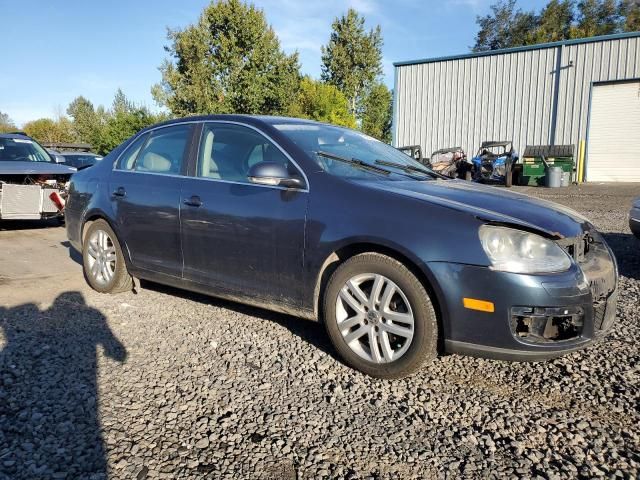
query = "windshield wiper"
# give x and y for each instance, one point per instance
(408, 168)
(353, 161)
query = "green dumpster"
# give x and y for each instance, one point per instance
(532, 165)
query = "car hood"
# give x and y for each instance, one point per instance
(35, 168)
(494, 204)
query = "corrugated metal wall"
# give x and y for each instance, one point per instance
(507, 96)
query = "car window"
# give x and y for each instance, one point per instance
(164, 151)
(22, 150)
(128, 158)
(81, 161)
(314, 138)
(227, 152)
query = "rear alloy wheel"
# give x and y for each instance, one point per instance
(104, 266)
(379, 316)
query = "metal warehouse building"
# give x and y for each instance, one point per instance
(582, 92)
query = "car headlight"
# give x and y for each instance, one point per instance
(515, 251)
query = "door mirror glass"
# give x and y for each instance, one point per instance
(274, 174)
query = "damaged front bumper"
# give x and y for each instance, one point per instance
(31, 202)
(535, 317)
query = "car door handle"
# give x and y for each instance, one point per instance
(119, 192)
(193, 201)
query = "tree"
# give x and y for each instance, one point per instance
(504, 27)
(597, 17)
(87, 122)
(322, 102)
(6, 124)
(352, 60)
(50, 131)
(377, 113)
(630, 11)
(105, 129)
(555, 22)
(120, 126)
(121, 104)
(121, 122)
(228, 62)
(507, 26)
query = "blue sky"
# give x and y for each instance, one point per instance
(54, 51)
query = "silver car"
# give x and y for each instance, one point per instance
(634, 217)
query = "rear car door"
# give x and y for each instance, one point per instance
(239, 237)
(145, 194)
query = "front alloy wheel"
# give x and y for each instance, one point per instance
(379, 316)
(375, 318)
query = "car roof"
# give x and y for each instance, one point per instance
(249, 119)
(15, 135)
(71, 153)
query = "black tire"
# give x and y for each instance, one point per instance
(508, 175)
(423, 345)
(121, 281)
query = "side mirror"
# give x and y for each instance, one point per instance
(56, 157)
(274, 174)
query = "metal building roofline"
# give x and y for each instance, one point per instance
(502, 51)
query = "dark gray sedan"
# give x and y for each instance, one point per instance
(326, 223)
(634, 217)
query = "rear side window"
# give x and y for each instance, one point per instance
(128, 158)
(161, 151)
(164, 151)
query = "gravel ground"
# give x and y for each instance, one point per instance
(167, 384)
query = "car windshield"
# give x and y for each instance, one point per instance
(22, 150)
(81, 160)
(320, 140)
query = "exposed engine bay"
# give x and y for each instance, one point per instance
(32, 196)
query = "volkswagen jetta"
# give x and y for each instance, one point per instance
(326, 223)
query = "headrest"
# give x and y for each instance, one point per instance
(155, 162)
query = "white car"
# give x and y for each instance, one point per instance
(32, 185)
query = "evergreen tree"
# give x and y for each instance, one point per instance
(352, 60)
(230, 61)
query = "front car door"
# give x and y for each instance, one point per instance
(238, 237)
(145, 192)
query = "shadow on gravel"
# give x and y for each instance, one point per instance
(74, 255)
(308, 330)
(49, 421)
(626, 248)
(9, 225)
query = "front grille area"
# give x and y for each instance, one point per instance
(590, 252)
(545, 325)
(578, 247)
(604, 313)
(599, 309)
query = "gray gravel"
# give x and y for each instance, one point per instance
(167, 384)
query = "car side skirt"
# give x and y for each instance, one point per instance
(195, 287)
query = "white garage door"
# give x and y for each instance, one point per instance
(614, 133)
